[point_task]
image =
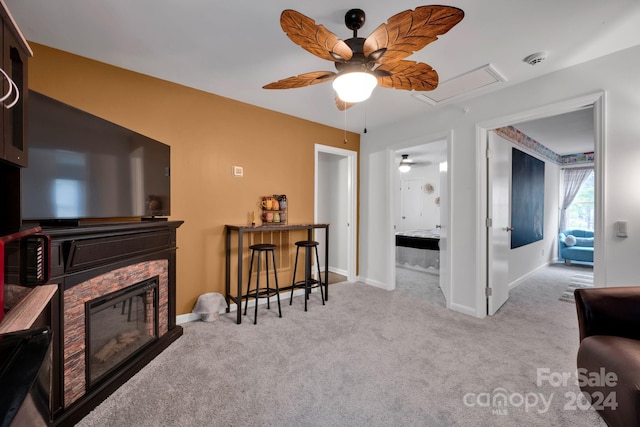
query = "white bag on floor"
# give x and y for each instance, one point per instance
(209, 305)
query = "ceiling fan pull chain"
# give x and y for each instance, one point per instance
(345, 125)
(365, 120)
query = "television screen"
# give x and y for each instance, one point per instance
(82, 166)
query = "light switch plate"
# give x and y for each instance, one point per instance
(621, 229)
(238, 171)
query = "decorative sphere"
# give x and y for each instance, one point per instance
(354, 19)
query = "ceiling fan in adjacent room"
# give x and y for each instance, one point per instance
(362, 64)
(406, 163)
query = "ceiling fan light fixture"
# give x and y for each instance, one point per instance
(363, 63)
(355, 86)
(405, 164)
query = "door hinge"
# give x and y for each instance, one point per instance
(489, 222)
(488, 291)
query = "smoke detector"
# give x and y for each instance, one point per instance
(535, 58)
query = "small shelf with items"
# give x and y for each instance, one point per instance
(274, 210)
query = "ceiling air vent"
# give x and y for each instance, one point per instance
(461, 85)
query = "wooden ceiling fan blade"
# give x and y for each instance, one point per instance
(411, 30)
(314, 38)
(342, 105)
(407, 75)
(302, 80)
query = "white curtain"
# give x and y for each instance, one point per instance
(573, 179)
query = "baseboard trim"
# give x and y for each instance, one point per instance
(186, 318)
(376, 284)
(191, 317)
(338, 271)
(463, 309)
(521, 279)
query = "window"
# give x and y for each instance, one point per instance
(580, 213)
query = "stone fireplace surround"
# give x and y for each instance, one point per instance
(89, 261)
(75, 323)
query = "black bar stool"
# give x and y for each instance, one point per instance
(258, 292)
(308, 283)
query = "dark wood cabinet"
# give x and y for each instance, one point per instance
(14, 63)
(13, 139)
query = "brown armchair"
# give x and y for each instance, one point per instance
(609, 354)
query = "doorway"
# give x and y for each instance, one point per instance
(335, 196)
(420, 216)
(492, 293)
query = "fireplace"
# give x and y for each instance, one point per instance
(118, 326)
(140, 287)
(114, 311)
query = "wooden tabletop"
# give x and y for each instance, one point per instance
(23, 315)
(274, 226)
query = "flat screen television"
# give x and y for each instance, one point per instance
(85, 167)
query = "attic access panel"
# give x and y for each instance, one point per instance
(461, 85)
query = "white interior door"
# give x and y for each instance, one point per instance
(498, 233)
(411, 204)
(445, 279)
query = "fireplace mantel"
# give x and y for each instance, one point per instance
(92, 259)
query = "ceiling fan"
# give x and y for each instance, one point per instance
(377, 60)
(406, 163)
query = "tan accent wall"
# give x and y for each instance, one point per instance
(208, 135)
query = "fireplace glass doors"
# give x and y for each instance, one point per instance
(119, 325)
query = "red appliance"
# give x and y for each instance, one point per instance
(34, 259)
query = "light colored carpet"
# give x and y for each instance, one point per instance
(583, 280)
(420, 284)
(368, 358)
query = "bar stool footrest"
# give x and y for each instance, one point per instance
(313, 283)
(261, 293)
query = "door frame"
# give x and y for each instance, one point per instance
(352, 196)
(598, 100)
(445, 220)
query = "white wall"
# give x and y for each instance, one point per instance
(333, 208)
(617, 74)
(375, 250)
